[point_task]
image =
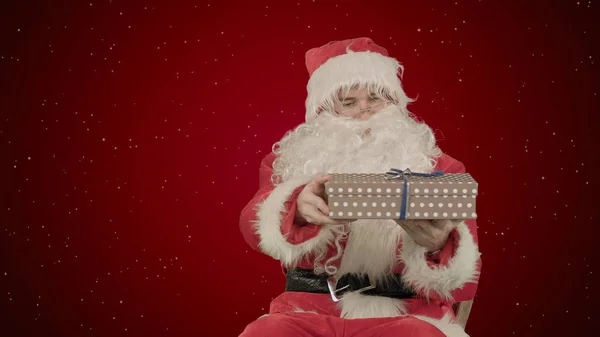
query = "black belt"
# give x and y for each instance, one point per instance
(305, 280)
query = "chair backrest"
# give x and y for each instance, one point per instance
(462, 311)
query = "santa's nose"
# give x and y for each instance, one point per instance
(364, 105)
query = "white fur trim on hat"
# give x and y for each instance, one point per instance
(268, 227)
(349, 69)
(441, 280)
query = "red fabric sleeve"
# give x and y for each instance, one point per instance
(450, 165)
(294, 233)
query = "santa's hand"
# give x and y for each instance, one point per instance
(311, 207)
(431, 234)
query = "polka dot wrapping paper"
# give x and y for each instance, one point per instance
(374, 196)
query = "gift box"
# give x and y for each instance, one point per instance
(382, 196)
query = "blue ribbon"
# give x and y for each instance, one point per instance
(404, 174)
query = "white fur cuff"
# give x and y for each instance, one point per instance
(441, 280)
(268, 227)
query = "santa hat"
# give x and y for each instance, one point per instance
(344, 64)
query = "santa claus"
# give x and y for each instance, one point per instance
(361, 277)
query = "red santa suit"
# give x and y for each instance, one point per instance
(423, 288)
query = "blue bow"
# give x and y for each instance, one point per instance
(404, 174)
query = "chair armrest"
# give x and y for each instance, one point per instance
(463, 309)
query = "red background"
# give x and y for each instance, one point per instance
(131, 135)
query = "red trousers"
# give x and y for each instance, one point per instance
(306, 324)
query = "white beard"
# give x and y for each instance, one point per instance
(333, 144)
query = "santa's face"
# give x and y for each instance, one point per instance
(359, 103)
